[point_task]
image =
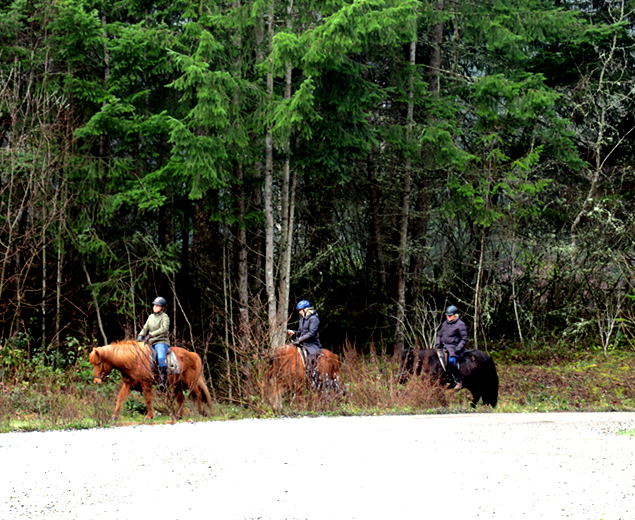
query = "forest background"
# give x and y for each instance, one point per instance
(380, 158)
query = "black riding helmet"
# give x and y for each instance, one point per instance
(451, 310)
(160, 301)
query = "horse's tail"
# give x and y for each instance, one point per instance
(203, 387)
(490, 382)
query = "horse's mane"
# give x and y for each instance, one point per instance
(124, 351)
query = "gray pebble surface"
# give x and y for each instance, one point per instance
(468, 466)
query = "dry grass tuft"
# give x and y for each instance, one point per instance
(372, 385)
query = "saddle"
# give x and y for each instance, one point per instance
(444, 358)
(443, 355)
(172, 361)
(305, 355)
(309, 363)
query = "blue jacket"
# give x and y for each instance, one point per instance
(308, 332)
(453, 336)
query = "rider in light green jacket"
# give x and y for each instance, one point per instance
(156, 332)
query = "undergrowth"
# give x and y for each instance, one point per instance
(34, 396)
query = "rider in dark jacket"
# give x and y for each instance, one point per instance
(453, 336)
(307, 334)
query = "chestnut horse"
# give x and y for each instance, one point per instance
(132, 359)
(287, 372)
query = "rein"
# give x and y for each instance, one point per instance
(103, 378)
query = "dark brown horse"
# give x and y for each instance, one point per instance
(132, 359)
(476, 368)
(287, 372)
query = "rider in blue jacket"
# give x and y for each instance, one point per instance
(453, 336)
(307, 335)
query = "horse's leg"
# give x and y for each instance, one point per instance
(276, 396)
(123, 393)
(180, 398)
(146, 388)
(199, 399)
(475, 397)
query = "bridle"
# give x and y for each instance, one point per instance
(103, 378)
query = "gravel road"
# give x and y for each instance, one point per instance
(480, 465)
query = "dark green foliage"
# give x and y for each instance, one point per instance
(132, 149)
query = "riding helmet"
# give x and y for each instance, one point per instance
(302, 305)
(159, 301)
(451, 310)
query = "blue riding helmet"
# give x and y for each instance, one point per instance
(302, 305)
(451, 310)
(159, 301)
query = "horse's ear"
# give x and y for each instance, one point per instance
(93, 357)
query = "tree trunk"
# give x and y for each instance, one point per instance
(243, 266)
(421, 226)
(44, 274)
(58, 288)
(103, 137)
(602, 125)
(287, 196)
(374, 203)
(228, 371)
(405, 212)
(95, 303)
(133, 325)
(477, 292)
(269, 244)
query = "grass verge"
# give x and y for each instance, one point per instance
(38, 398)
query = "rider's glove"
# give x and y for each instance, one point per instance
(140, 337)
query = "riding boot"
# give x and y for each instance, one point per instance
(163, 378)
(310, 372)
(457, 378)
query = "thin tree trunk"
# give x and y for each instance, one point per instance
(286, 217)
(132, 293)
(228, 371)
(95, 303)
(514, 295)
(103, 137)
(419, 235)
(19, 269)
(405, 211)
(43, 302)
(172, 283)
(256, 241)
(269, 244)
(477, 292)
(58, 289)
(374, 202)
(601, 130)
(421, 226)
(243, 266)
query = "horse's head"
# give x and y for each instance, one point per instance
(103, 367)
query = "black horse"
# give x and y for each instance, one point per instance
(477, 370)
